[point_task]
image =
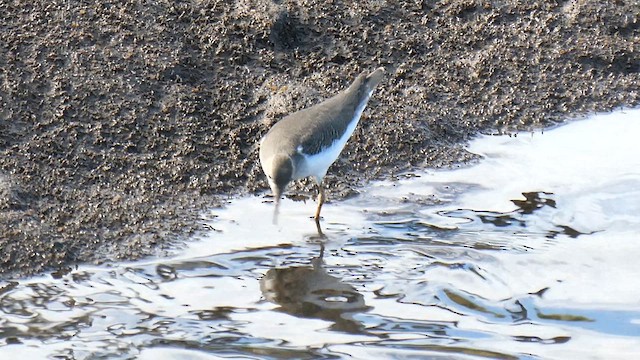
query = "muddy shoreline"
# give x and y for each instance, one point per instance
(120, 122)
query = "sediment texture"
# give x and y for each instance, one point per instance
(120, 121)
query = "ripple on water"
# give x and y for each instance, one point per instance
(530, 254)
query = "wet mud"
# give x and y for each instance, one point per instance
(120, 121)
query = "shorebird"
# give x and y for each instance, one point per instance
(307, 142)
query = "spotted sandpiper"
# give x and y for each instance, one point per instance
(307, 142)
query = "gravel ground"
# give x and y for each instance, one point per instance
(120, 121)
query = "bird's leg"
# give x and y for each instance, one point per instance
(320, 201)
(321, 235)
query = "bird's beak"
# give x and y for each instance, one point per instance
(277, 194)
(275, 212)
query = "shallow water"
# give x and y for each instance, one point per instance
(531, 254)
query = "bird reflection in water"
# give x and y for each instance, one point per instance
(309, 292)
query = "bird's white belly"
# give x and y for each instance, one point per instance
(317, 165)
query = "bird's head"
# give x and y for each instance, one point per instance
(279, 175)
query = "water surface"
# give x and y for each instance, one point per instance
(530, 254)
